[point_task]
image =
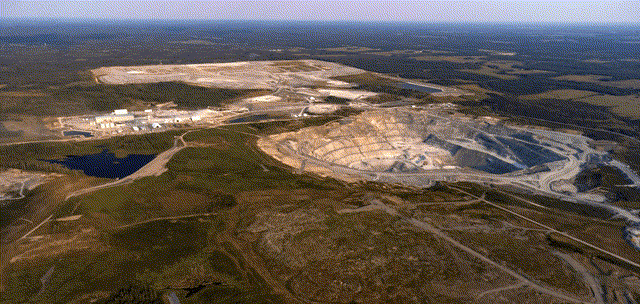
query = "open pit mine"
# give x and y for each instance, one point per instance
(420, 146)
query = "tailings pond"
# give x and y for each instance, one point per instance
(77, 133)
(105, 164)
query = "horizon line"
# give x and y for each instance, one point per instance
(545, 22)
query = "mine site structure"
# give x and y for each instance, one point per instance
(401, 142)
(386, 143)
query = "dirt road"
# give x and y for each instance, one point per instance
(430, 228)
(525, 281)
(588, 278)
(549, 228)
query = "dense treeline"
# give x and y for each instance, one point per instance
(615, 69)
(101, 97)
(561, 111)
(531, 84)
(133, 294)
(49, 58)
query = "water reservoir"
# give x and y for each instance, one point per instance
(76, 133)
(251, 118)
(105, 164)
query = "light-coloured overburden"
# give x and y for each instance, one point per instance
(420, 146)
(235, 75)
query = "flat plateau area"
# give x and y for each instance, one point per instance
(256, 75)
(234, 75)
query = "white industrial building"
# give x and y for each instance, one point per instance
(120, 115)
(114, 118)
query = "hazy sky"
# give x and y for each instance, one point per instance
(603, 11)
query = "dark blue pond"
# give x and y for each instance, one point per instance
(73, 133)
(251, 118)
(415, 87)
(105, 164)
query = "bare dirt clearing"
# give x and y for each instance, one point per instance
(560, 94)
(627, 106)
(602, 80)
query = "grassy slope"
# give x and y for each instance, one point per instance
(155, 253)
